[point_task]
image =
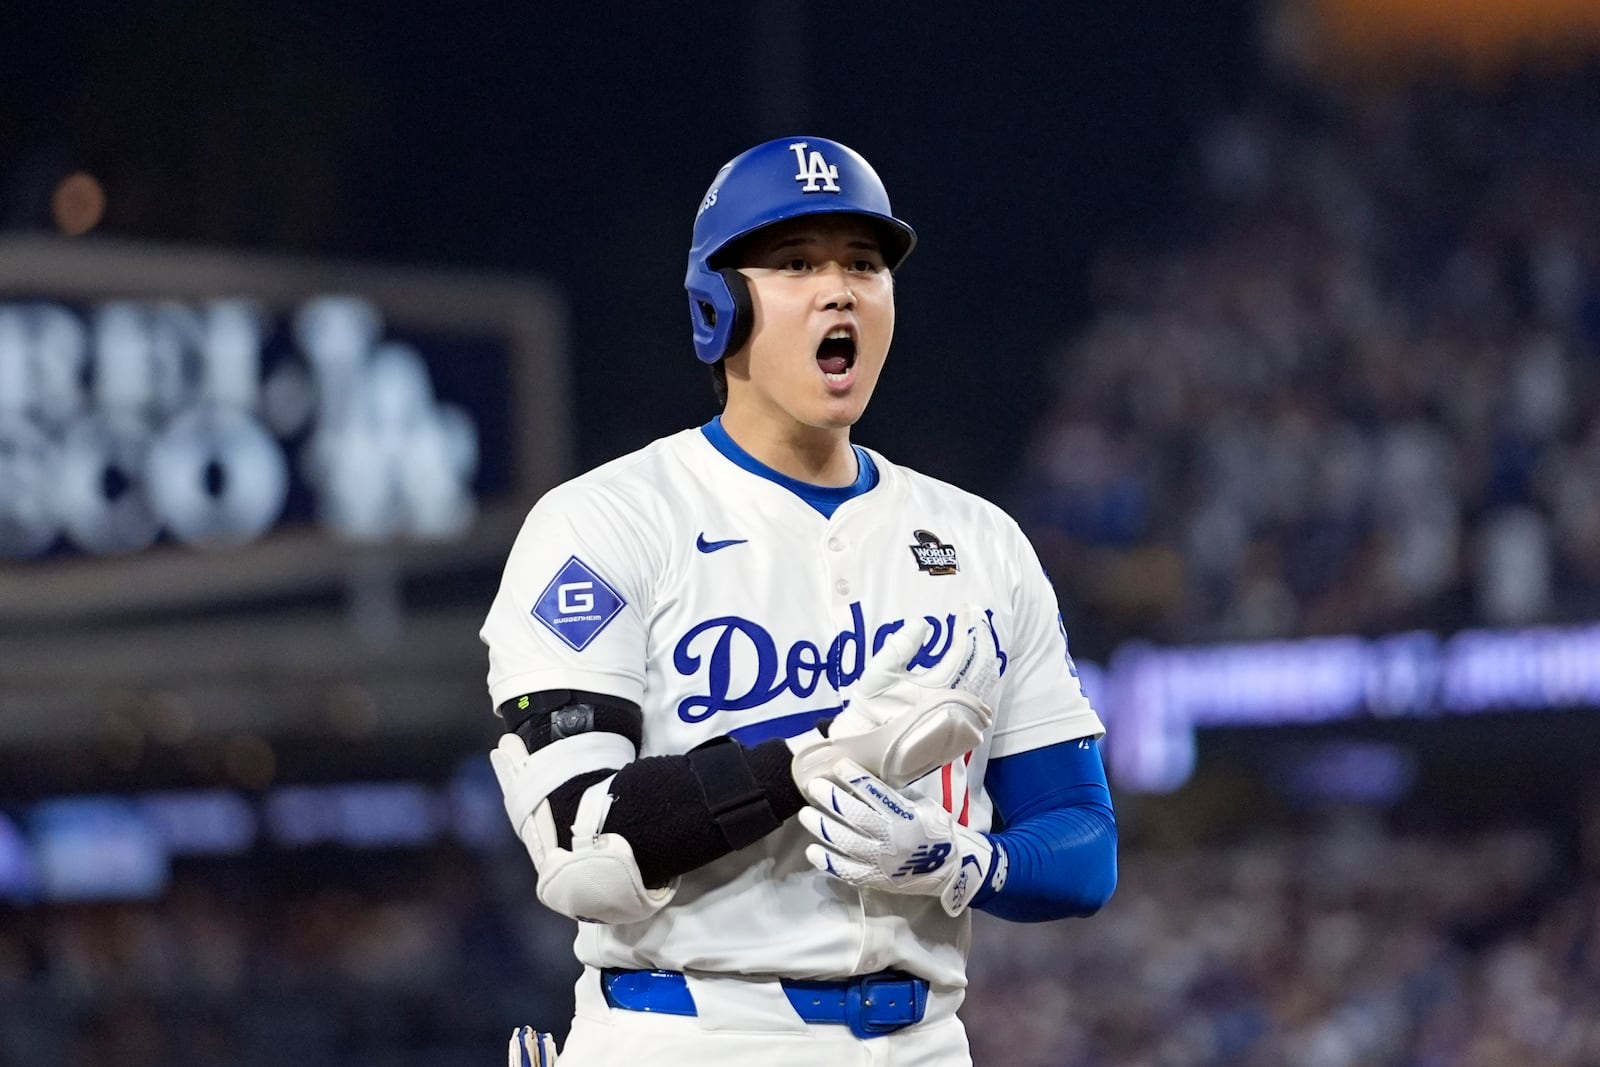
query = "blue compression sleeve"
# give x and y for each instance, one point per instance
(1059, 833)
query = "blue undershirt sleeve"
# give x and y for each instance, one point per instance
(1058, 831)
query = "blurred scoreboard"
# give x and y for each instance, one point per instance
(260, 491)
(150, 396)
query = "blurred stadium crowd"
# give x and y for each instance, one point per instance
(1360, 392)
(1349, 946)
(390, 957)
(1343, 946)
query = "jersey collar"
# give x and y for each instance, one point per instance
(825, 499)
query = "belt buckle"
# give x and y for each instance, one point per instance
(878, 1004)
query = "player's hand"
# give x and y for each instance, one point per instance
(899, 723)
(875, 837)
(531, 1048)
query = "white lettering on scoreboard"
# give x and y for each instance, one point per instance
(125, 419)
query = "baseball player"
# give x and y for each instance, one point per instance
(780, 713)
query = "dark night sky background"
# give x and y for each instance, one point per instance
(573, 141)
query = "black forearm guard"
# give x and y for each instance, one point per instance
(680, 813)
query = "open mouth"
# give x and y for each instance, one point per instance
(837, 354)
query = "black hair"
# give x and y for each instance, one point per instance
(719, 383)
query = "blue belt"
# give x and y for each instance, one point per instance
(871, 1005)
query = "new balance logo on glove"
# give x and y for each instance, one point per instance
(925, 860)
(876, 838)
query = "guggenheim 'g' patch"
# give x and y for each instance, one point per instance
(933, 555)
(577, 604)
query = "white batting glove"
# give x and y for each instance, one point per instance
(874, 837)
(531, 1048)
(901, 724)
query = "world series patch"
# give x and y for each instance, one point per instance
(933, 555)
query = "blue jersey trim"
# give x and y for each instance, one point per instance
(825, 499)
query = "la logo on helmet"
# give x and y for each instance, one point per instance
(814, 169)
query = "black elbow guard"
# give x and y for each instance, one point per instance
(677, 812)
(540, 718)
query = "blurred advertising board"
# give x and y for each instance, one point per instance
(1157, 699)
(122, 846)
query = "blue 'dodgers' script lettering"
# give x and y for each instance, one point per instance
(729, 641)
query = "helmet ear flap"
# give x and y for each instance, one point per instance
(744, 313)
(713, 312)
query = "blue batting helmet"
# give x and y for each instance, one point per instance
(782, 179)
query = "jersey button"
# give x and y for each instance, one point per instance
(835, 545)
(841, 587)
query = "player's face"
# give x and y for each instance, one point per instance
(824, 316)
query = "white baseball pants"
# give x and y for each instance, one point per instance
(745, 1023)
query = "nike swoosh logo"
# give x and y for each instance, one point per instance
(717, 546)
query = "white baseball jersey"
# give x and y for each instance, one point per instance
(690, 580)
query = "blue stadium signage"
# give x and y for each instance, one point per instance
(1155, 699)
